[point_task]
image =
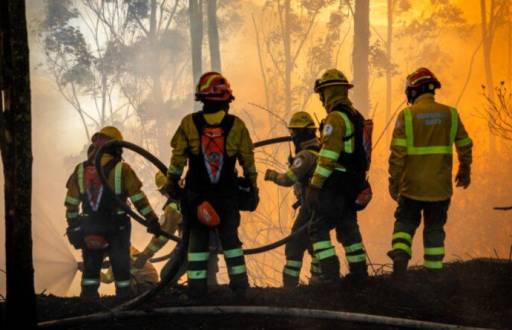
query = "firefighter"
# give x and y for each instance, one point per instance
(211, 141)
(337, 179)
(420, 169)
(171, 221)
(96, 224)
(303, 131)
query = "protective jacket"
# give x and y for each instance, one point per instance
(187, 146)
(420, 164)
(121, 178)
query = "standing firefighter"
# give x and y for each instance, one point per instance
(101, 228)
(339, 178)
(212, 140)
(302, 129)
(420, 169)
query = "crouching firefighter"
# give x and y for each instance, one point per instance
(211, 141)
(302, 129)
(171, 222)
(339, 188)
(420, 170)
(96, 224)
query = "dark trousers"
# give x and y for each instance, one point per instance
(118, 252)
(199, 243)
(408, 217)
(336, 212)
(294, 250)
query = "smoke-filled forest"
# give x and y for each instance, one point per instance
(139, 65)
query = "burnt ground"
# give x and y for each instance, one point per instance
(472, 293)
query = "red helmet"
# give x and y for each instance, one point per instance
(421, 77)
(213, 86)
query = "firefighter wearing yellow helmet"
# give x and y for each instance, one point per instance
(211, 141)
(303, 131)
(336, 180)
(96, 224)
(420, 169)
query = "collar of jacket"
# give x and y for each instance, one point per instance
(424, 98)
(312, 144)
(334, 96)
(214, 118)
(105, 159)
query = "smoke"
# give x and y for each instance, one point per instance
(473, 228)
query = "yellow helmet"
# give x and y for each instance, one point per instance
(111, 132)
(160, 180)
(332, 77)
(301, 119)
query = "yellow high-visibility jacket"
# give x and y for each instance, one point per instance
(337, 126)
(187, 139)
(420, 164)
(123, 181)
(169, 223)
(146, 274)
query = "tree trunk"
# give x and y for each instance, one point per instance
(196, 38)
(288, 60)
(17, 163)
(360, 55)
(389, 73)
(213, 36)
(487, 47)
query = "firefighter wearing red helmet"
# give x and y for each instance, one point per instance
(211, 141)
(96, 224)
(420, 169)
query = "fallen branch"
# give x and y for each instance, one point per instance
(503, 208)
(254, 310)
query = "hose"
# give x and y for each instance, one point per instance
(155, 161)
(257, 310)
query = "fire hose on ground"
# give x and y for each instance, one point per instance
(257, 311)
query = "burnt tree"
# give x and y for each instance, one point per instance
(15, 144)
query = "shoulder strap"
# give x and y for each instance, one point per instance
(227, 123)
(80, 177)
(199, 121)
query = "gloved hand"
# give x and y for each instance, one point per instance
(153, 227)
(312, 197)
(172, 188)
(271, 175)
(80, 266)
(141, 260)
(75, 235)
(463, 178)
(394, 190)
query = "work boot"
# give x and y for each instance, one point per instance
(356, 278)
(400, 262)
(90, 295)
(123, 294)
(290, 282)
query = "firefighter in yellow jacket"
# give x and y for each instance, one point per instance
(211, 141)
(338, 178)
(96, 224)
(303, 131)
(420, 169)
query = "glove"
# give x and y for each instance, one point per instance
(172, 188)
(463, 178)
(394, 191)
(75, 236)
(152, 226)
(80, 266)
(312, 197)
(141, 260)
(271, 175)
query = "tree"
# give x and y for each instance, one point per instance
(16, 149)
(498, 111)
(196, 38)
(213, 36)
(361, 55)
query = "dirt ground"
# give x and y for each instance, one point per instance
(472, 293)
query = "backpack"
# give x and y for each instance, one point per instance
(359, 161)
